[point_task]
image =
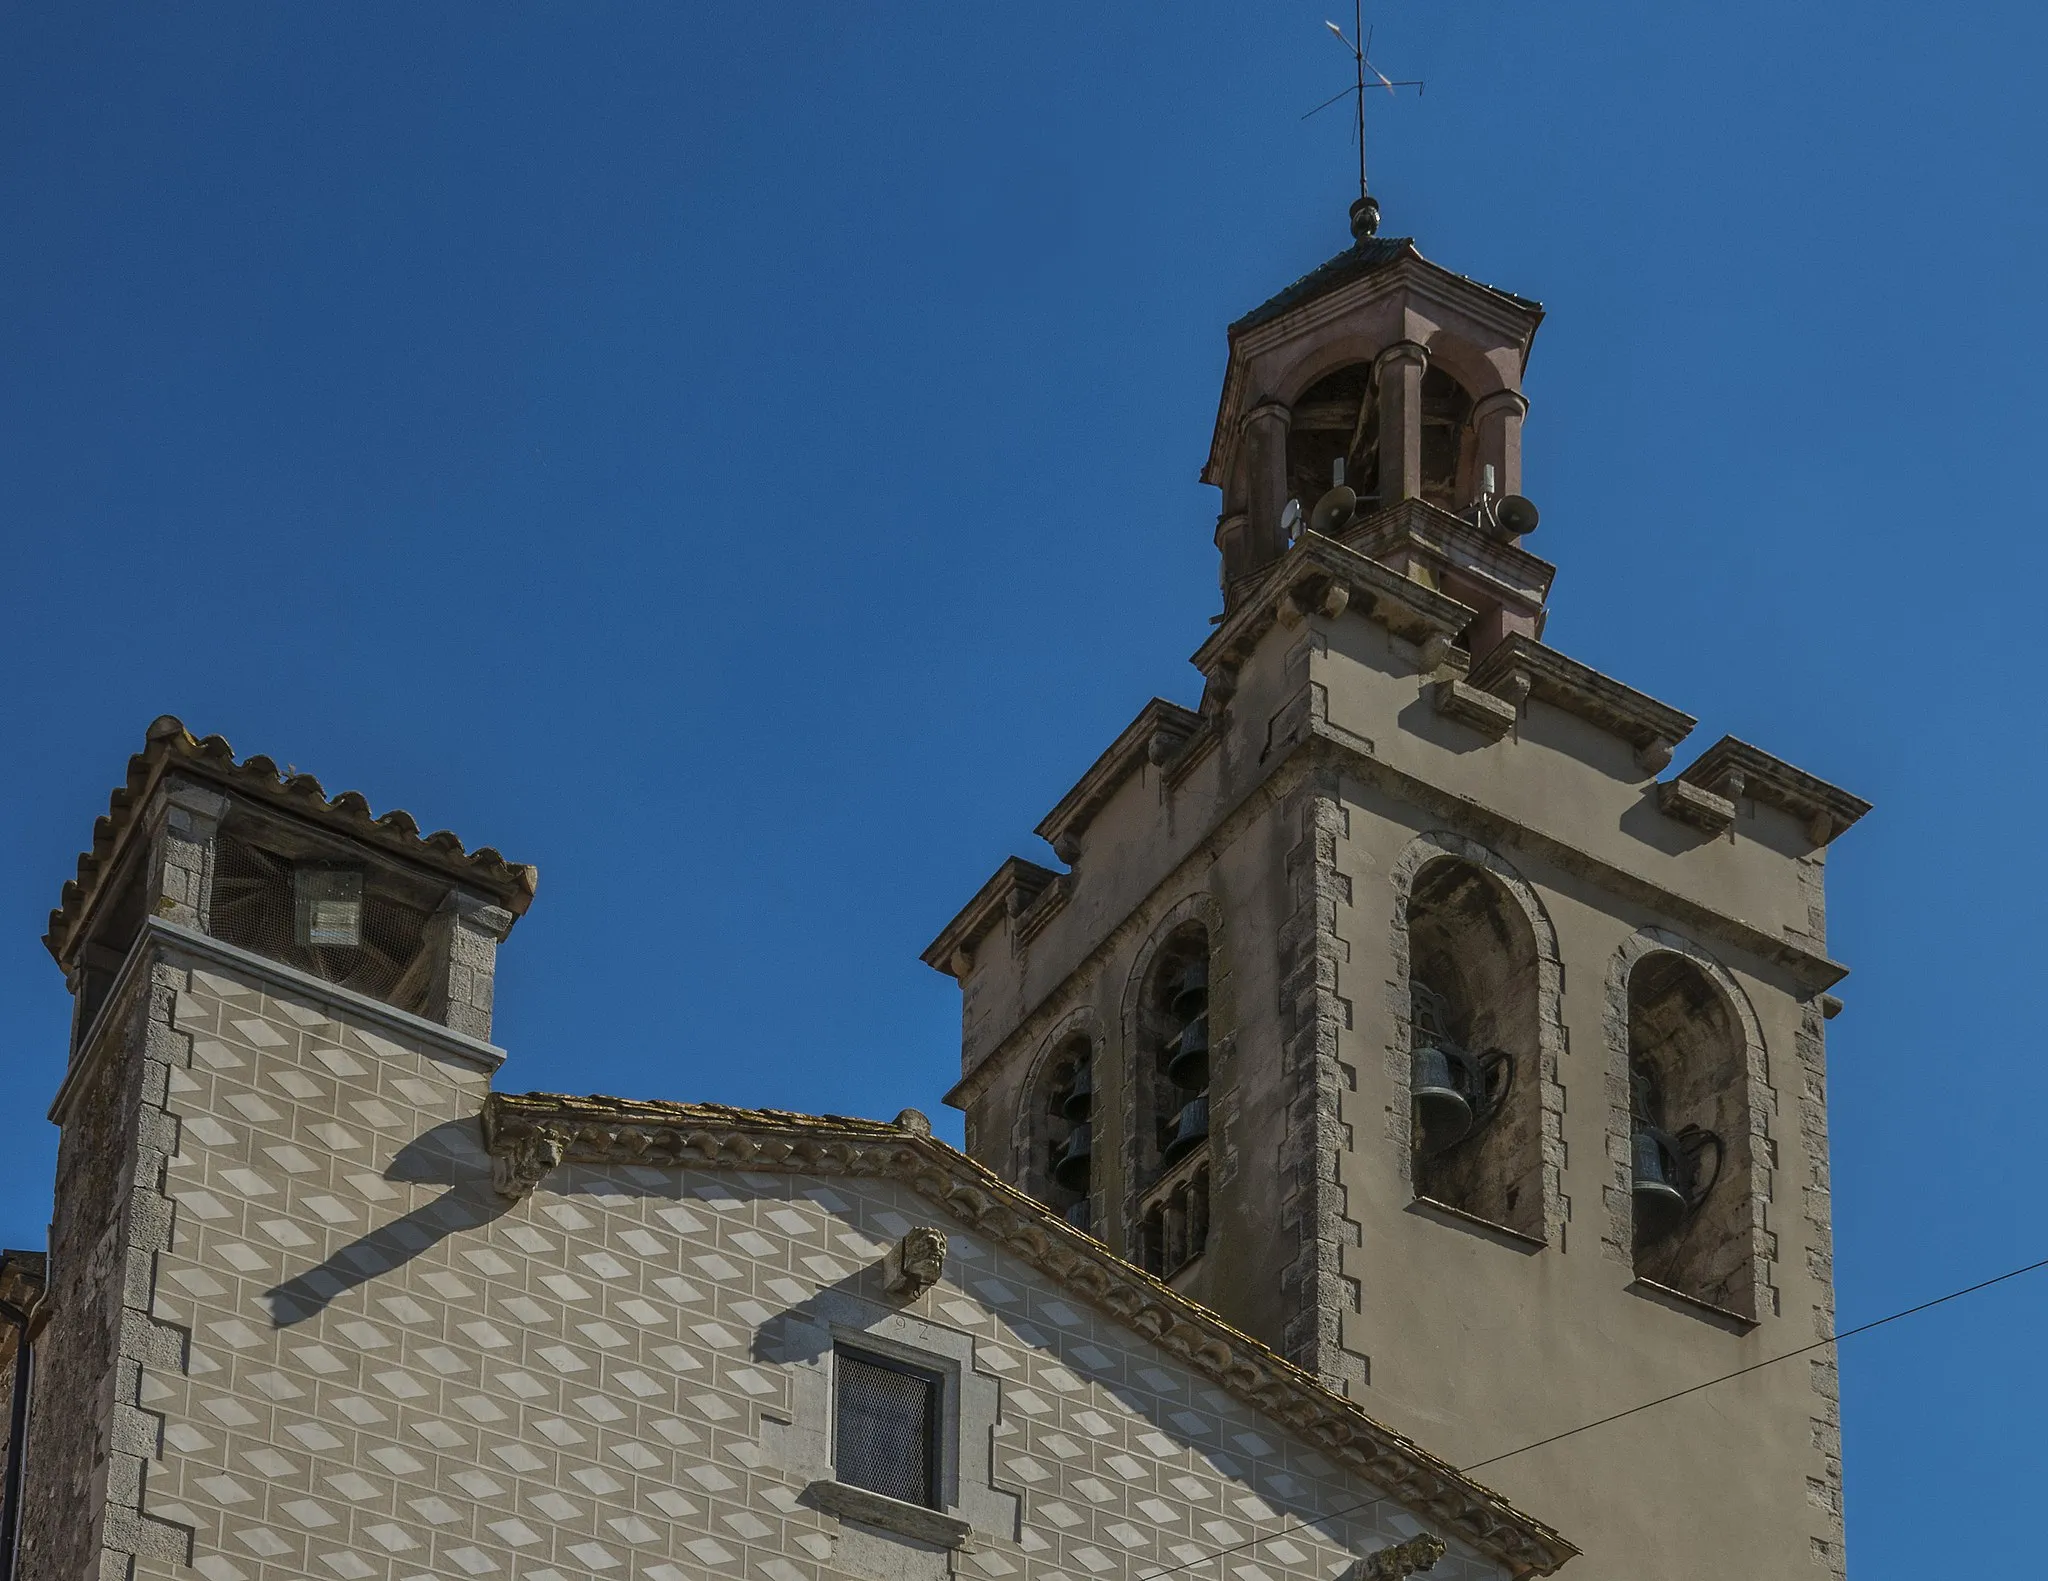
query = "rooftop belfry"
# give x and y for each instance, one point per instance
(1396, 1001)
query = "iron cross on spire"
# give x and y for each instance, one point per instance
(1360, 46)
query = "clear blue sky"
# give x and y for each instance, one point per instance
(743, 460)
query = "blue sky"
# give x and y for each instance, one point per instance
(743, 461)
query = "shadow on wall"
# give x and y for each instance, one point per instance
(451, 1155)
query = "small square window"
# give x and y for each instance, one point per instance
(887, 1436)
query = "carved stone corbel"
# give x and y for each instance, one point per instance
(1689, 803)
(1654, 755)
(521, 1165)
(1394, 1563)
(1493, 717)
(915, 1263)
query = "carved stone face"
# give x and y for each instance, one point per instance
(924, 1254)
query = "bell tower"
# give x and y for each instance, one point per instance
(1397, 1003)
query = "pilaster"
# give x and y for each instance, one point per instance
(462, 943)
(1312, 1016)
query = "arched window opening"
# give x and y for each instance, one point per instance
(1333, 437)
(1173, 1132)
(1474, 1050)
(1066, 1126)
(1689, 1134)
(1446, 433)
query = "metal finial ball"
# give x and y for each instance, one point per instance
(1365, 217)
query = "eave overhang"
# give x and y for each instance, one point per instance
(1734, 769)
(169, 748)
(612, 1131)
(1158, 731)
(1011, 888)
(1310, 575)
(1521, 666)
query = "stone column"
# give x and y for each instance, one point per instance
(1232, 529)
(1397, 375)
(464, 936)
(1497, 427)
(1265, 434)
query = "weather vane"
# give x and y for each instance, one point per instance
(1360, 46)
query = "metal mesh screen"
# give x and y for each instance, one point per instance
(887, 1440)
(252, 907)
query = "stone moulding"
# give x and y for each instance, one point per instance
(1009, 892)
(1493, 717)
(158, 936)
(1732, 769)
(169, 748)
(1303, 577)
(603, 1131)
(1156, 735)
(1690, 803)
(1520, 666)
(891, 1515)
(1449, 542)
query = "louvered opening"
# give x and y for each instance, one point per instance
(253, 908)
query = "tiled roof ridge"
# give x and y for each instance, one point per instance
(167, 742)
(657, 1133)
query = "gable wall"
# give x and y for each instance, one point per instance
(392, 1372)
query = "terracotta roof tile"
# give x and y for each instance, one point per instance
(169, 745)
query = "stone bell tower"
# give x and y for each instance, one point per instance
(1397, 1004)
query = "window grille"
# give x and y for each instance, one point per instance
(887, 1437)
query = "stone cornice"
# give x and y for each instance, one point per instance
(1323, 745)
(1013, 887)
(157, 935)
(1158, 732)
(1519, 577)
(1520, 666)
(1735, 769)
(1321, 574)
(709, 1136)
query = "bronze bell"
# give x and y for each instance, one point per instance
(1081, 1096)
(1188, 1065)
(1443, 1081)
(1191, 993)
(1190, 1130)
(1660, 1186)
(1070, 1169)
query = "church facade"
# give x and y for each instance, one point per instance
(1398, 1005)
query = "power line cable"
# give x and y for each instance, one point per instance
(1603, 1421)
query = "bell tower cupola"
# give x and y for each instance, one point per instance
(1378, 401)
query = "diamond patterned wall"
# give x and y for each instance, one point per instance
(393, 1373)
